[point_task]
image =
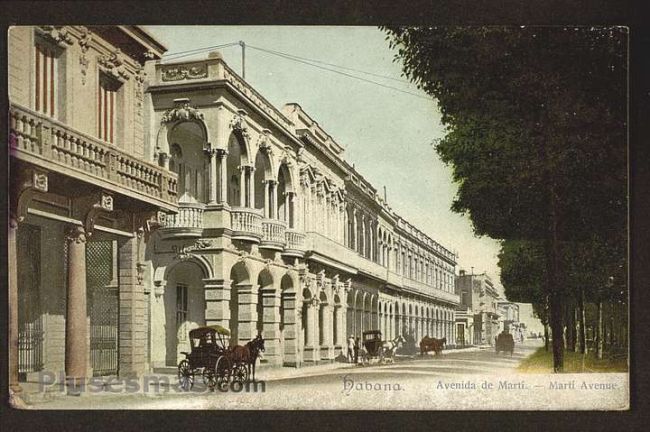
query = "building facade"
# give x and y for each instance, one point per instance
(478, 300)
(157, 197)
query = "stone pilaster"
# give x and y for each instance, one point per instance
(132, 325)
(271, 326)
(327, 347)
(217, 302)
(247, 303)
(291, 329)
(311, 351)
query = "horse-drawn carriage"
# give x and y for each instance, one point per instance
(372, 345)
(504, 342)
(377, 350)
(210, 357)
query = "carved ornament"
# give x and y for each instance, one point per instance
(190, 72)
(181, 112)
(113, 64)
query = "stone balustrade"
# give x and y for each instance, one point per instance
(295, 240)
(273, 234)
(246, 223)
(190, 215)
(52, 145)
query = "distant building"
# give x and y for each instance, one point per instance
(509, 318)
(478, 299)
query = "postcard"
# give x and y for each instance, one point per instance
(326, 217)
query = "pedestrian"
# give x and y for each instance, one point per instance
(350, 356)
(356, 351)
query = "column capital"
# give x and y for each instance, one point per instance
(76, 234)
(221, 153)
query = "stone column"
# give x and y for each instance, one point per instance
(213, 185)
(222, 155)
(76, 331)
(273, 209)
(290, 331)
(251, 186)
(217, 302)
(132, 322)
(267, 212)
(339, 340)
(242, 186)
(247, 305)
(327, 347)
(311, 331)
(13, 305)
(271, 325)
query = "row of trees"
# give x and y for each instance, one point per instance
(536, 137)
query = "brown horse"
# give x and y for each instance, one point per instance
(248, 353)
(431, 344)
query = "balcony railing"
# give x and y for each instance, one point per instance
(273, 234)
(295, 242)
(188, 222)
(246, 223)
(52, 145)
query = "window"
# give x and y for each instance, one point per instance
(45, 79)
(181, 306)
(107, 101)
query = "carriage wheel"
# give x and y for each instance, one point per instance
(240, 373)
(222, 371)
(209, 377)
(185, 375)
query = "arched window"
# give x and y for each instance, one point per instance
(189, 161)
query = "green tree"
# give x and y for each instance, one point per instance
(536, 132)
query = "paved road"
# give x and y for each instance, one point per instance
(415, 379)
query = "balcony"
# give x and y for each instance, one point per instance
(273, 234)
(187, 223)
(246, 224)
(295, 243)
(54, 146)
(422, 288)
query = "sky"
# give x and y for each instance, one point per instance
(386, 133)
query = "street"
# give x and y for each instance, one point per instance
(422, 383)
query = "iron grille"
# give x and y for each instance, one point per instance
(103, 307)
(30, 323)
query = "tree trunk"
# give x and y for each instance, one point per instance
(599, 330)
(581, 322)
(546, 337)
(556, 331)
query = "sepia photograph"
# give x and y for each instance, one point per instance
(248, 217)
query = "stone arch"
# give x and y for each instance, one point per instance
(187, 140)
(240, 287)
(286, 195)
(161, 272)
(184, 306)
(263, 175)
(238, 157)
(162, 150)
(266, 294)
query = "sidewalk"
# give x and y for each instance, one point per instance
(35, 394)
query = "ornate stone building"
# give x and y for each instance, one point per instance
(83, 197)
(477, 314)
(208, 206)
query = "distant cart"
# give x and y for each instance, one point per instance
(504, 342)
